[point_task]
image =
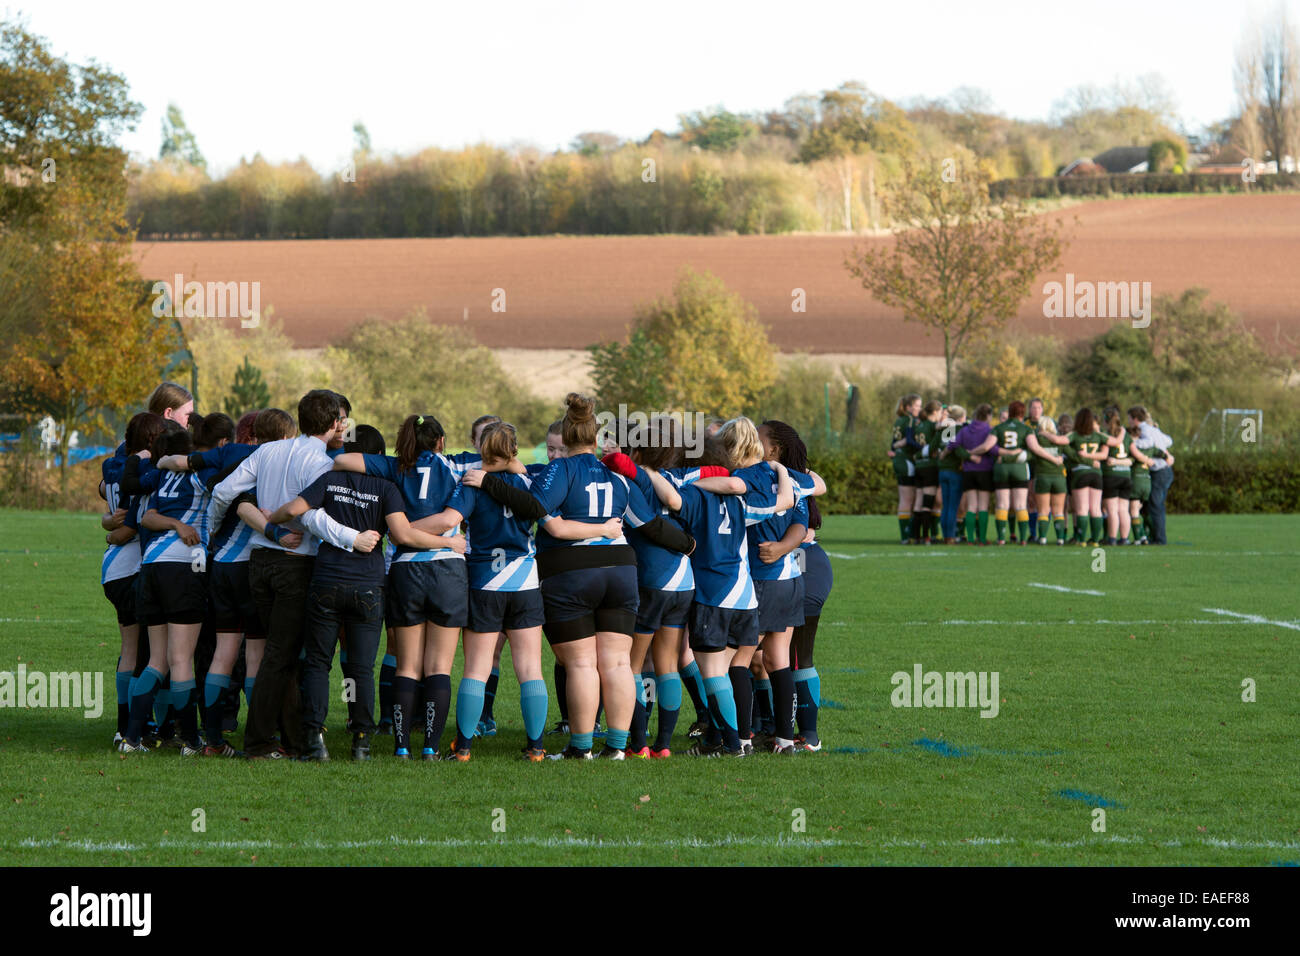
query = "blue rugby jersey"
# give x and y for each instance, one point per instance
(721, 557)
(774, 529)
(135, 509)
(762, 480)
(463, 461)
(231, 543)
(580, 488)
(658, 568)
(427, 489)
(120, 560)
(180, 495)
(681, 476)
(501, 554)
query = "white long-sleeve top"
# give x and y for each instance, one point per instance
(1151, 437)
(278, 470)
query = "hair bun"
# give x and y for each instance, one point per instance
(580, 407)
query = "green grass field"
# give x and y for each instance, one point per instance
(1130, 700)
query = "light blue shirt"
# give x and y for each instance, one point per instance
(1151, 437)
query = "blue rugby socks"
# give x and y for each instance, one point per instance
(143, 691)
(808, 687)
(694, 683)
(162, 706)
(722, 708)
(647, 681)
(213, 687)
(533, 702)
(490, 694)
(186, 715)
(669, 692)
(640, 719)
(469, 708)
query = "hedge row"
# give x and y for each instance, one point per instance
(1204, 483)
(1132, 183)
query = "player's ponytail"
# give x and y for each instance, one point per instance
(209, 430)
(1113, 423)
(418, 434)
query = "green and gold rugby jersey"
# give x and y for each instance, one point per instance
(1010, 436)
(926, 432)
(901, 424)
(1118, 461)
(1089, 443)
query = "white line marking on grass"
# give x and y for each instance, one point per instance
(970, 551)
(690, 843)
(42, 620)
(919, 553)
(1164, 620)
(1251, 618)
(1057, 587)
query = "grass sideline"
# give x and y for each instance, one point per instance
(1133, 698)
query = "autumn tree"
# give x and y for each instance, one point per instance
(385, 370)
(716, 129)
(855, 123)
(703, 350)
(999, 375)
(959, 263)
(74, 303)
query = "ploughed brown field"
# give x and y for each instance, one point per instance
(569, 292)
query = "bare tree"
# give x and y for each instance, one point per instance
(1267, 71)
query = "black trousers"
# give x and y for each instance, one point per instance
(279, 581)
(360, 610)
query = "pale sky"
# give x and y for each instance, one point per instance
(288, 79)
